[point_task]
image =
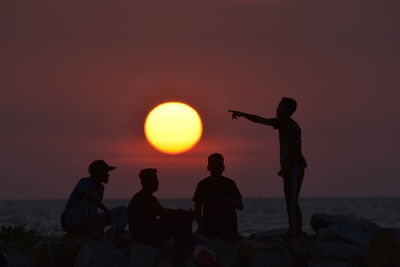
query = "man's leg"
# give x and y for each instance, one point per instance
(119, 216)
(81, 220)
(299, 216)
(292, 186)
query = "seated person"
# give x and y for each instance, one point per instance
(216, 199)
(151, 223)
(80, 214)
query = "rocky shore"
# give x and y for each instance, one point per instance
(337, 241)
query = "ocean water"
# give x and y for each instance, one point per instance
(259, 214)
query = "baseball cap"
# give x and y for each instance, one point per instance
(100, 165)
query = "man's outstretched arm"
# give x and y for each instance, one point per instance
(254, 118)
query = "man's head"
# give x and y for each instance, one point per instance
(149, 179)
(216, 164)
(286, 107)
(99, 169)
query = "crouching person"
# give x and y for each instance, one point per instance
(80, 214)
(152, 224)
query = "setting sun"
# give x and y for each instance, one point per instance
(173, 127)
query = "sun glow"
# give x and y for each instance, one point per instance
(173, 127)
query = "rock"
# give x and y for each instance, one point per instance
(3, 259)
(99, 253)
(336, 250)
(229, 259)
(346, 234)
(267, 235)
(301, 248)
(343, 228)
(19, 259)
(320, 220)
(396, 233)
(275, 255)
(333, 263)
(67, 249)
(383, 250)
(143, 255)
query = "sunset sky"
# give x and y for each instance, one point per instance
(79, 77)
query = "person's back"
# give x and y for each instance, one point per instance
(143, 210)
(152, 224)
(216, 200)
(77, 198)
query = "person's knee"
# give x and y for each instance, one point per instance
(120, 211)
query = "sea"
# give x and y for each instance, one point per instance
(259, 214)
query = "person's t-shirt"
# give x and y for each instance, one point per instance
(78, 194)
(289, 137)
(210, 190)
(143, 211)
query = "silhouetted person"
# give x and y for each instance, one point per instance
(80, 214)
(216, 199)
(291, 158)
(151, 223)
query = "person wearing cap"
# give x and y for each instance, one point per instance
(152, 224)
(80, 214)
(216, 200)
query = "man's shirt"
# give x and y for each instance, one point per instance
(143, 211)
(78, 194)
(289, 137)
(212, 189)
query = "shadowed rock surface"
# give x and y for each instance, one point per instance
(338, 241)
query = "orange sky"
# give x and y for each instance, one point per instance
(78, 79)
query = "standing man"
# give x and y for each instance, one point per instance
(80, 214)
(291, 157)
(216, 200)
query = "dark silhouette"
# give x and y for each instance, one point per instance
(152, 224)
(216, 199)
(291, 157)
(80, 214)
(3, 259)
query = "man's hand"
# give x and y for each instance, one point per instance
(235, 114)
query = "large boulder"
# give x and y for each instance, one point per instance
(337, 250)
(383, 250)
(321, 220)
(19, 259)
(143, 255)
(343, 228)
(345, 233)
(100, 253)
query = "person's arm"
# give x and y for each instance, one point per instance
(197, 212)
(91, 196)
(254, 118)
(236, 200)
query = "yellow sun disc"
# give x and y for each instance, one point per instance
(173, 127)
